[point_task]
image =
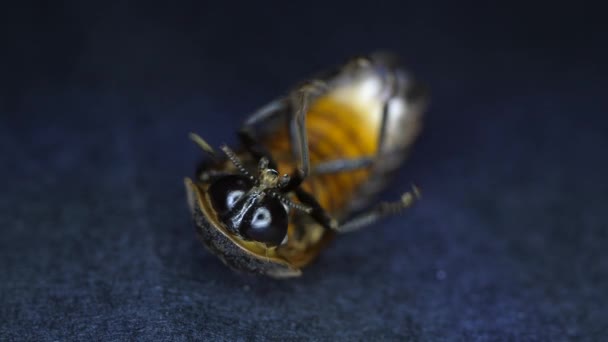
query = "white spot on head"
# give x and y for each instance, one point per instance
(261, 218)
(233, 197)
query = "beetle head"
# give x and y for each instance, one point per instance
(253, 208)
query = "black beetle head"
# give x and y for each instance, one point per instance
(249, 210)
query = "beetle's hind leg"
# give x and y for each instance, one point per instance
(379, 211)
(363, 219)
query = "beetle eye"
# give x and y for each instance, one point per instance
(261, 218)
(226, 191)
(233, 197)
(266, 223)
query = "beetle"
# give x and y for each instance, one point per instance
(307, 167)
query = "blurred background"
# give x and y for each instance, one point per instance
(97, 99)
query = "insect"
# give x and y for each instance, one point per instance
(307, 168)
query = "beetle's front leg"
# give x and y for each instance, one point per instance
(247, 132)
(317, 213)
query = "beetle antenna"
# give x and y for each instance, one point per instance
(235, 160)
(283, 182)
(200, 142)
(298, 206)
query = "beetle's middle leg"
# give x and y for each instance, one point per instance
(342, 165)
(301, 100)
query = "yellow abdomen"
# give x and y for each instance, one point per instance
(340, 125)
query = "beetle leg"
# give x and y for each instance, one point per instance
(301, 99)
(342, 165)
(389, 93)
(317, 213)
(379, 211)
(382, 134)
(266, 112)
(247, 132)
(255, 149)
(212, 175)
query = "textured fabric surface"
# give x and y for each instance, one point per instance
(508, 243)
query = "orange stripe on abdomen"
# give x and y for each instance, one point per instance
(335, 131)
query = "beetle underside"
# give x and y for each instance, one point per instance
(248, 256)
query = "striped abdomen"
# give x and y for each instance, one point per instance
(346, 123)
(335, 131)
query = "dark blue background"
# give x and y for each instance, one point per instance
(508, 242)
